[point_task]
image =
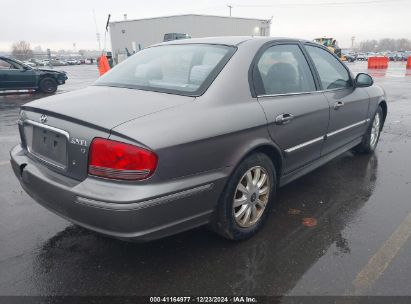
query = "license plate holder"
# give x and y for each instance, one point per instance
(48, 146)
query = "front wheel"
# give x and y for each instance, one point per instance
(244, 204)
(370, 139)
(48, 85)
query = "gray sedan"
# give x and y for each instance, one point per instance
(194, 132)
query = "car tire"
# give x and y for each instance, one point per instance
(48, 85)
(370, 139)
(252, 192)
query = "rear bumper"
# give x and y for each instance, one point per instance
(139, 212)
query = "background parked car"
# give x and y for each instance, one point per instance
(362, 57)
(15, 75)
(37, 62)
(72, 62)
(350, 57)
(371, 54)
(393, 56)
(29, 63)
(57, 62)
(403, 56)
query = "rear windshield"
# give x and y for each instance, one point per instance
(180, 69)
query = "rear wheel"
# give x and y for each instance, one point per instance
(48, 85)
(244, 204)
(370, 140)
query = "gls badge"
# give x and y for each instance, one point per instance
(80, 142)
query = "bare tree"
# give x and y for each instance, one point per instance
(369, 45)
(385, 44)
(404, 44)
(21, 50)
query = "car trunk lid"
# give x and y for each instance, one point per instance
(57, 131)
(106, 107)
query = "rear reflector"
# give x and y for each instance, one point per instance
(117, 160)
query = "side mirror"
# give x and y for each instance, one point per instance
(23, 68)
(363, 80)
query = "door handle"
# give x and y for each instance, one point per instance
(284, 119)
(338, 105)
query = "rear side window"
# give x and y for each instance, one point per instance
(333, 74)
(283, 69)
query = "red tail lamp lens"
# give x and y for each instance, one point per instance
(117, 160)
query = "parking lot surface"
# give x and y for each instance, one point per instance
(357, 207)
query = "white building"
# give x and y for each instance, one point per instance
(140, 33)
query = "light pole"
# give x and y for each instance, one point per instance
(230, 7)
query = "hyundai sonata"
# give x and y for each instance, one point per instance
(194, 132)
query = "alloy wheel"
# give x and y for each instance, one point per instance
(251, 197)
(375, 130)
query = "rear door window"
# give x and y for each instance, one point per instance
(283, 69)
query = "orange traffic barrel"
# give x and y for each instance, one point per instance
(385, 63)
(372, 62)
(103, 65)
(378, 62)
(409, 63)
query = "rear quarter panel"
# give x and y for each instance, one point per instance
(197, 138)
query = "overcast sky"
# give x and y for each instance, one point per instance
(58, 24)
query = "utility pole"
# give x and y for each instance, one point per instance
(352, 42)
(97, 32)
(230, 7)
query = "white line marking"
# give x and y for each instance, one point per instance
(379, 262)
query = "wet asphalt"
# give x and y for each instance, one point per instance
(359, 207)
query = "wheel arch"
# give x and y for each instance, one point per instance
(46, 75)
(272, 151)
(384, 107)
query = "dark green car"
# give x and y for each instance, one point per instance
(15, 75)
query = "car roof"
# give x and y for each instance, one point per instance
(227, 40)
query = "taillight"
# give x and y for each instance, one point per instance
(117, 160)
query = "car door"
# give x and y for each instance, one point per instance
(348, 104)
(5, 81)
(20, 76)
(297, 114)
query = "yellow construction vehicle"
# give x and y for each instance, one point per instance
(332, 45)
